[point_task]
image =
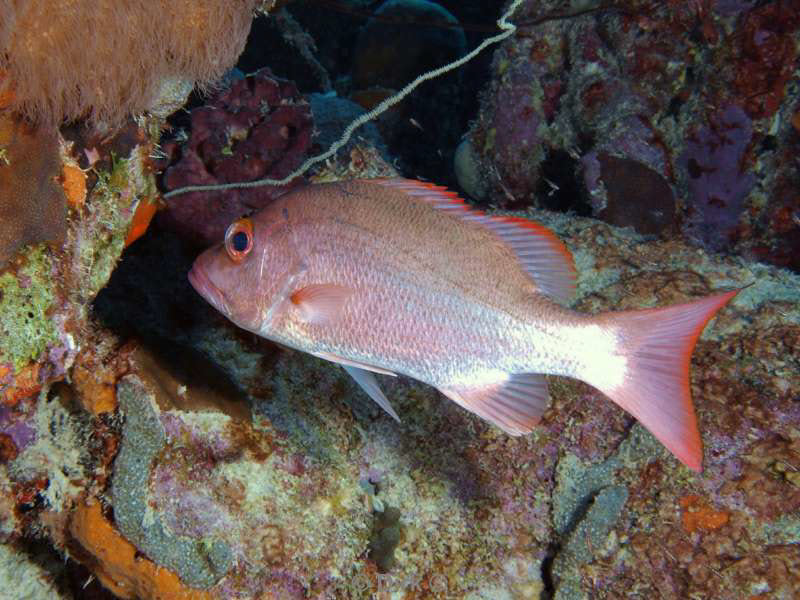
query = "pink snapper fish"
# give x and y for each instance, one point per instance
(396, 276)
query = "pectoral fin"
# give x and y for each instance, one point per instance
(370, 385)
(515, 405)
(320, 303)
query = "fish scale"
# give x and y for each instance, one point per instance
(439, 309)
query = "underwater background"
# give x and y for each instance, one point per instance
(151, 449)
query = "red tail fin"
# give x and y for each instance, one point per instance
(657, 344)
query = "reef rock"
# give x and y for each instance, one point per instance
(671, 119)
(348, 503)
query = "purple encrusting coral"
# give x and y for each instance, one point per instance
(259, 127)
(16, 427)
(718, 180)
(732, 7)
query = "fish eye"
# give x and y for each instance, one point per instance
(239, 239)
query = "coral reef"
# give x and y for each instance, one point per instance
(56, 74)
(766, 52)
(443, 504)
(199, 563)
(666, 120)
(68, 198)
(210, 482)
(717, 185)
(44, 288)
(517, 106)
(259, 127)
(150, 449)
(346, 503)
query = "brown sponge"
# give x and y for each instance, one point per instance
(32, 204)
(106, 59)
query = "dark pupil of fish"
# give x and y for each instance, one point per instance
(240, 241)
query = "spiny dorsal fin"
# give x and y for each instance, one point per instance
(543, 256)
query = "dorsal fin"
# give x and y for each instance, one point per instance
(543, 256)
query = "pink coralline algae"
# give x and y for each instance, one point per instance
(259, 127)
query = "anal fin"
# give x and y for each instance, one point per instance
(515, 405)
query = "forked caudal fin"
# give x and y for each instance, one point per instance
(656, 346)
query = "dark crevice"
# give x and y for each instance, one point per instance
(561, 187)
(548, 582)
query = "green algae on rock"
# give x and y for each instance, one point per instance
(27, 301)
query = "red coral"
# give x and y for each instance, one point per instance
(259, 127)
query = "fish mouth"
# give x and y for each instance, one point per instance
(203, 286)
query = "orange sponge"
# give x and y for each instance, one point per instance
(113, 560)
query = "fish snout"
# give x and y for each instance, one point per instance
(202, 284)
